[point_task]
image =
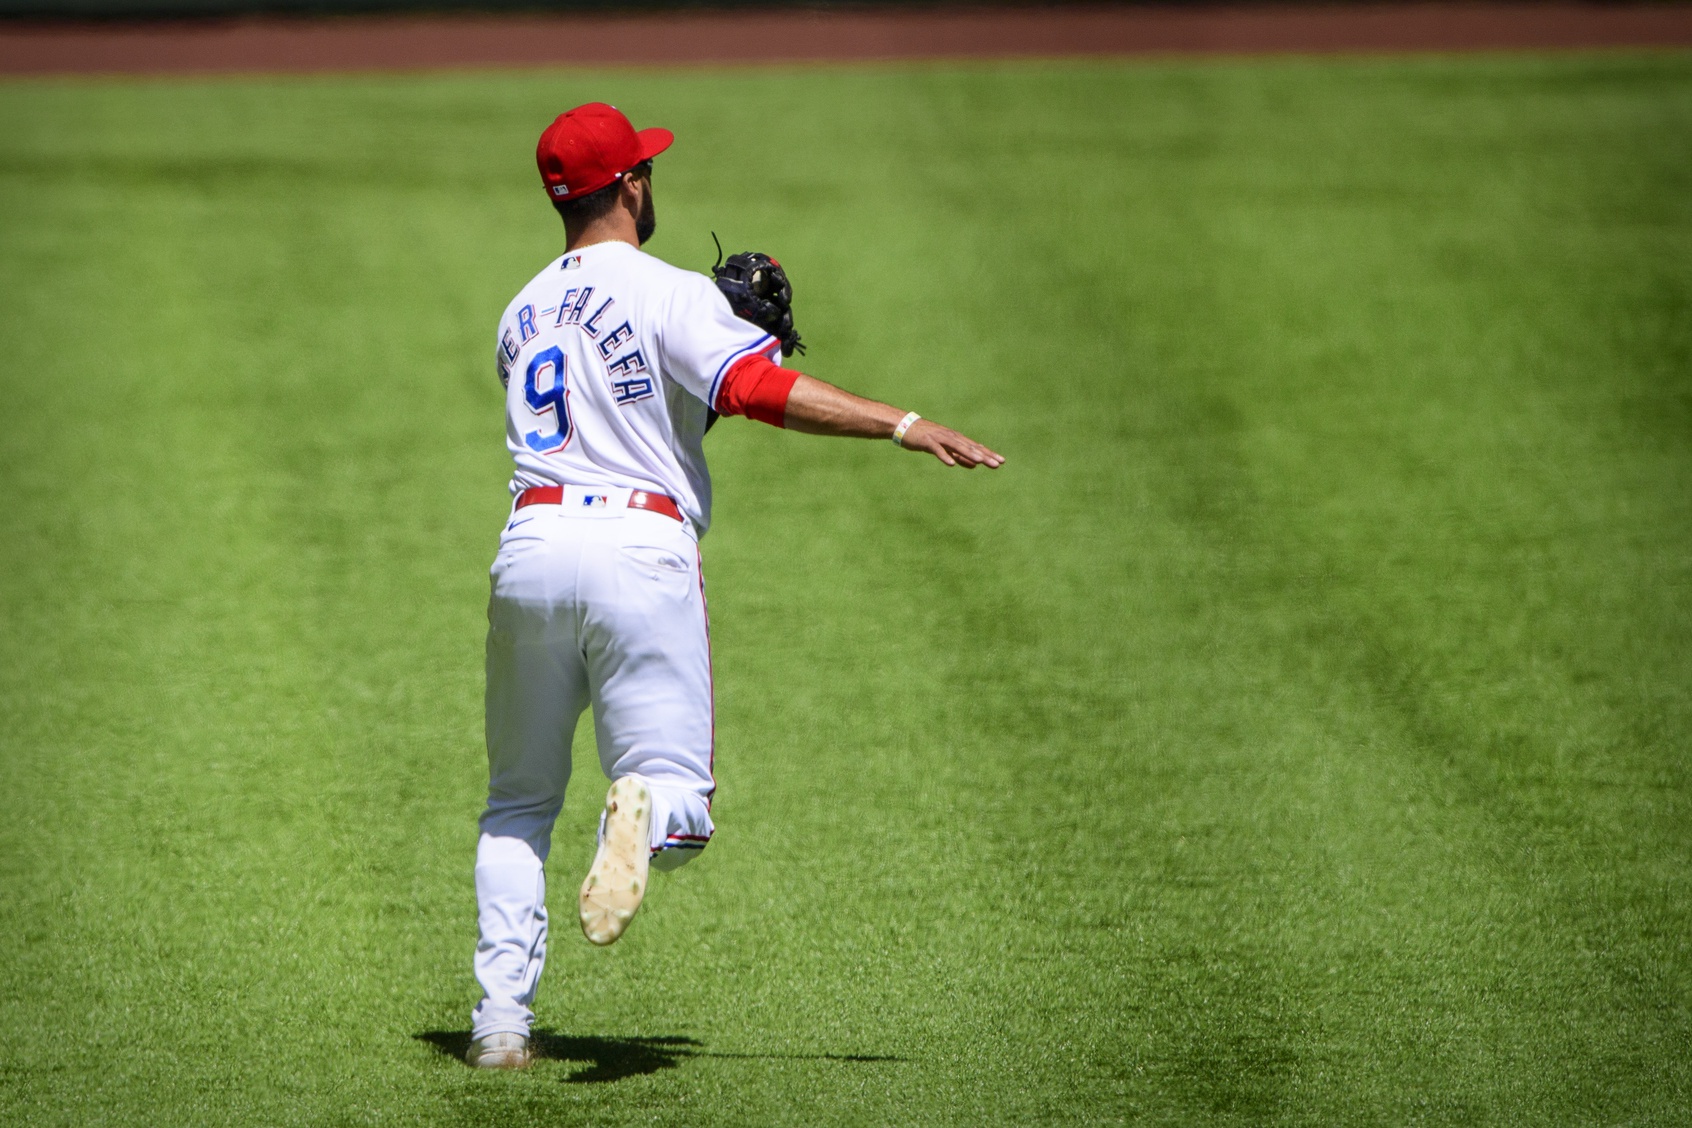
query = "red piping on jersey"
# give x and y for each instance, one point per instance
(757, 388)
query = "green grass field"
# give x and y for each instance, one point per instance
(1294, 732)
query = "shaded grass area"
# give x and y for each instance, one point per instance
(1293, 732)
(612, 1059)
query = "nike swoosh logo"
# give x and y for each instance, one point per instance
(514, 524)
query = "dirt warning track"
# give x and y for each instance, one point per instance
(404, 43)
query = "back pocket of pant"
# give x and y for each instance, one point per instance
(657, 564)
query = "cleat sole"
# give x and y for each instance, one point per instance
(616, 882)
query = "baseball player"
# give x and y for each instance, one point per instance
(614, 365)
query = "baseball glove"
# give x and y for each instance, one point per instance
(758, 291)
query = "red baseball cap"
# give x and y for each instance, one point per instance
(588, 147)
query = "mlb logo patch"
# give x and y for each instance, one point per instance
(592, 500)
(570, 262)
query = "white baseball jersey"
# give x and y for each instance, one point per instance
(610, 359)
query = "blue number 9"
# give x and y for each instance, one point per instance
(554, 399)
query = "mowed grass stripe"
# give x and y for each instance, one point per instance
(1289, 734)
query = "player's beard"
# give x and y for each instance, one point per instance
(647, 222)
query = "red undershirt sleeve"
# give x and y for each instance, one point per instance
(757, 388)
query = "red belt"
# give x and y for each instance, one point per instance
(639, 499)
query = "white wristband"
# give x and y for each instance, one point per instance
(904, 425)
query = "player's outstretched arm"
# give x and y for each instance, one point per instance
(819, 408)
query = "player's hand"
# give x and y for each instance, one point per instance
(949, 446)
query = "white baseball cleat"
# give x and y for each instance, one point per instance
(499, 1051)
(617, 880)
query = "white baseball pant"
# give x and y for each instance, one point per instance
(591, 601)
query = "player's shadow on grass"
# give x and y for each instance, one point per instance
(612, 1059)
